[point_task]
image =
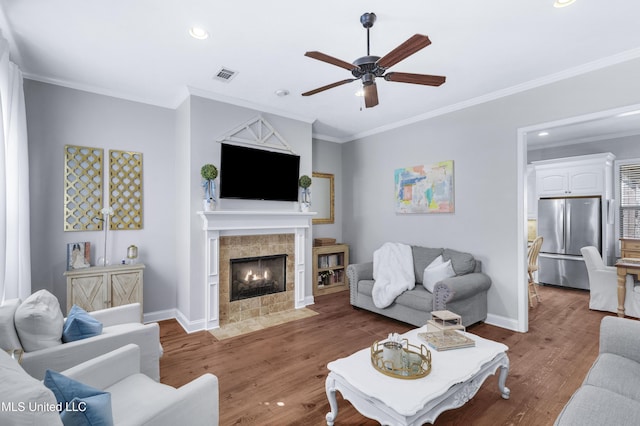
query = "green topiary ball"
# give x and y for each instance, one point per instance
(209, 172)
(304, 181)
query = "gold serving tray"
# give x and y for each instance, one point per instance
(416, 361)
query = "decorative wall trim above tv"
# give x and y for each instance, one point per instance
(257, 132)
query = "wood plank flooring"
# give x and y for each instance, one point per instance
(276, 376)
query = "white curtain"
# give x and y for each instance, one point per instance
(15, 248)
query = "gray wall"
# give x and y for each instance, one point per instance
(482, 141)
(58, 116)
(327, 158)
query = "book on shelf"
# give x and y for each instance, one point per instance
(446, 340)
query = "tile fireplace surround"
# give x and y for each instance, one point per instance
(230, 234)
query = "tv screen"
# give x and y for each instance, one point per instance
(256, 174)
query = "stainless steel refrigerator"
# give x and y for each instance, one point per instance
(566, 225)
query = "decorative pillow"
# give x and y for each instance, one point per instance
(39, 321)
(463, 263)
(80, 325)
(81, 404)
(422, 257)
(437, 273)
(8, 335)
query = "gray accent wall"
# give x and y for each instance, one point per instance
(483, 143)
(58, 116)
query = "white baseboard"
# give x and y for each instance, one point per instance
(189, 326)
(159, 315)
(503, 322)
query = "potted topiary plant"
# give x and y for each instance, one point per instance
(305, 196)
(209, 172)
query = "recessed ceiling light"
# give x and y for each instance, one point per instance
(543, 134)
(198, 33)
(282, 92)
(563, 3)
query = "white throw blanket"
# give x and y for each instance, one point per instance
(392, 272)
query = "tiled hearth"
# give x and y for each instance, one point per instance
(254, 233)
(234, 247)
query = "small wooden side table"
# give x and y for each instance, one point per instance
(625, 266)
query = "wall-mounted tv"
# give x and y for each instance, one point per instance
(257, 174)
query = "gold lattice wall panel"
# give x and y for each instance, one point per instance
(82, 188)
(125, 189)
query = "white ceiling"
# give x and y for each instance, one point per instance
(141, 50)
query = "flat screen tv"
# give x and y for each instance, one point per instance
(257, 174)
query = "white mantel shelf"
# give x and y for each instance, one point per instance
(219, 223)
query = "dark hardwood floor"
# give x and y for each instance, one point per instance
(276, 376)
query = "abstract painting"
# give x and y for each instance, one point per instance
(425, 189)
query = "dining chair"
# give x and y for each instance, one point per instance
(532, 256)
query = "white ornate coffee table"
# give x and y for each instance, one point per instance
(456, 375)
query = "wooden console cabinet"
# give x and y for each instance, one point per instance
(330, 269)
(100, 287)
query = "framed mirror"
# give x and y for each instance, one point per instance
(322, 197)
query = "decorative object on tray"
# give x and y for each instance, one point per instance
(442, 332)
(305, 194)
(78, 255)
(396, 357)
(209, 172)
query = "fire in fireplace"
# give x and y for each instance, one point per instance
(257, 276)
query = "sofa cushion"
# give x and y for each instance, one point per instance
(422, 257)
(19, 391)
(80, 325)
(418, 298)
(8, 335)
(617, 374)
(463, 263)
(81, 404)
(597, 406)
(39, 321)
(437, 272)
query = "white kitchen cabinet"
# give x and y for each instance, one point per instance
(587, 175)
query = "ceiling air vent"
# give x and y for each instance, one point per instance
(225, 74)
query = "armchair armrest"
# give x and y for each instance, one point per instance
(196, 401)
(105, 370)
(119, 314)
(620, 336)
(67, 355)
(459, 288)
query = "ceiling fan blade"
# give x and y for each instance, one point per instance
(330, 60)
(404, 77)
(328, 86)
(408, 48)
(370, 95)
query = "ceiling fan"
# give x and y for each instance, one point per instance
(367, 68)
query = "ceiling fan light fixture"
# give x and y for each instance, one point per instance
(198, 33)
(563, 3)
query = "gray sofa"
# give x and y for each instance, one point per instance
(465, 294)
(610, 394)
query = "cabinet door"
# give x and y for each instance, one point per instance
(126, 287)
(89, 292)
(551, 182)
(586, 180)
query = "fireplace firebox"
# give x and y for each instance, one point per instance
(257, 276)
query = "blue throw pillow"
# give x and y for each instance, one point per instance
(80, 325)
(79, 404)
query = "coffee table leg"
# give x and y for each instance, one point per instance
(330, 386)
(504, 370)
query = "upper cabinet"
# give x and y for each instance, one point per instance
(587, 175)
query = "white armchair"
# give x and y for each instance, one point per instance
(121, 326)
(603, 284)
(136, 399)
